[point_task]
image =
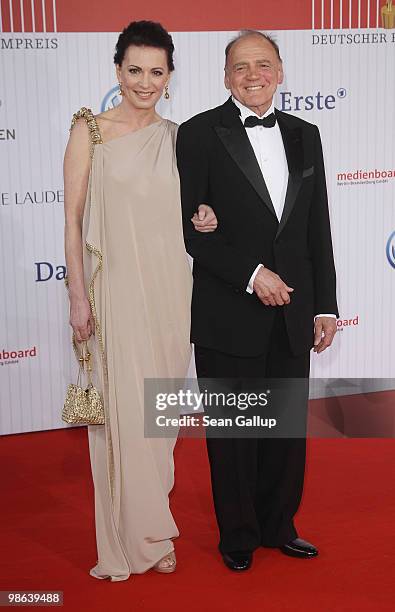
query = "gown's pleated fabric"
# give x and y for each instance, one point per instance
(139, 282)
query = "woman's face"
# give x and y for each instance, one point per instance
(143, 75)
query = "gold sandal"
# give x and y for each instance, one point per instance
(167, 564)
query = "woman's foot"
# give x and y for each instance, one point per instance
(167, 564)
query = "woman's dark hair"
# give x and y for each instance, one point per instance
(144, 34)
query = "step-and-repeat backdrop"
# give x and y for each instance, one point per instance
(56, 56)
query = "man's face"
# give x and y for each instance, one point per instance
(252, 72)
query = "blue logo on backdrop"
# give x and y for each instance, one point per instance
(45, 271)
(111, 99)
(317, 101)
(390, 249)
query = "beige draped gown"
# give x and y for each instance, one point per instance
(139, 282)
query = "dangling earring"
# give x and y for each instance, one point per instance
(120, 92)
(167, 95)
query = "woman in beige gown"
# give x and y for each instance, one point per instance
(130, 285)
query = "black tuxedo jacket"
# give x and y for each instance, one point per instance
(217, 166)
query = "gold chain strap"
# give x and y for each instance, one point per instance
(91, 297)
(86, 113)
(83, 358)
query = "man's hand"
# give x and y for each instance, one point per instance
(270, 289)
(324, 332)
(205, 220)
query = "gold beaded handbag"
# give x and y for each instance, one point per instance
(83, 406)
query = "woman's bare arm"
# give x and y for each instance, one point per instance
(76, 175)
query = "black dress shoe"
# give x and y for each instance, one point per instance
(237, 561)
(299, 548)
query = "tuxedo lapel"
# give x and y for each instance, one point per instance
(294, 152)
(234, 138)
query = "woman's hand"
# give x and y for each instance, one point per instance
(205, 220)
(81, 319)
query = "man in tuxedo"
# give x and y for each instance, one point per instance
(264, 283)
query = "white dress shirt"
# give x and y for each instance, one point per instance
(268, 147)
(270, 154)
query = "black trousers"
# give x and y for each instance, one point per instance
(257, 483)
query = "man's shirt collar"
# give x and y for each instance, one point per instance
(247, 112)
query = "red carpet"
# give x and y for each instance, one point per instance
(348, 510)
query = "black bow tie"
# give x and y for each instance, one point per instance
(267, 122)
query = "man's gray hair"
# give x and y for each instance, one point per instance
(244, 34)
